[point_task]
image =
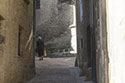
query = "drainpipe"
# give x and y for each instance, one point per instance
(34, 34)
(94, 76)
(93, 53)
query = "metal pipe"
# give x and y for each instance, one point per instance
(34, 30)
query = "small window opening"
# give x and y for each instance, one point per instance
(19, 37)
(27, 2)
(1, 18)
(1, 36)
(81, 43)
(1, 39)
(37, 4)
(65, 1)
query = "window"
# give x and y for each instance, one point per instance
(82, 43)
(37, 4)
(1, 18)
(19, 36)
(1, 36)
(65, 1)
(81, 11)
(27, 2)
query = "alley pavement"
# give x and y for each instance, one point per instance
(57, 70)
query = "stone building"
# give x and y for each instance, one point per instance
(92, 40)
(53, 19)
(16, 41)
(100, 35)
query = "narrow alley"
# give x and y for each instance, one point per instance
(57, 70)
(93, 31)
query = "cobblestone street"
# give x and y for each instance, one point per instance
(57, 70)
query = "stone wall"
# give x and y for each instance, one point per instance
(16, 37)
(52, 23)
(102, 60)
(83, 23)
(92, 40)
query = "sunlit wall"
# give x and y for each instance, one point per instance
(73, 32)
(116, 40)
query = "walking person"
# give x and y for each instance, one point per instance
(40, 48)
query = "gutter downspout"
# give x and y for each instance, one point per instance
(34, 30)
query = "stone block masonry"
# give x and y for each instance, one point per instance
(52, 23)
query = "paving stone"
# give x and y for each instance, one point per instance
(57, 70)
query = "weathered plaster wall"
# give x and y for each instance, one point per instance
(14, 68)
(92, 39)
(100, 37)
(116, 39)
(83, 23)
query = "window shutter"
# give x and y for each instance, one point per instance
(37, 4)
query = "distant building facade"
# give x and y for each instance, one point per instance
(53, 19)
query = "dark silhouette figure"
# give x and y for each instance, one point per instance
(40, 48)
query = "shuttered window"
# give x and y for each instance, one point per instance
(37, 4)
